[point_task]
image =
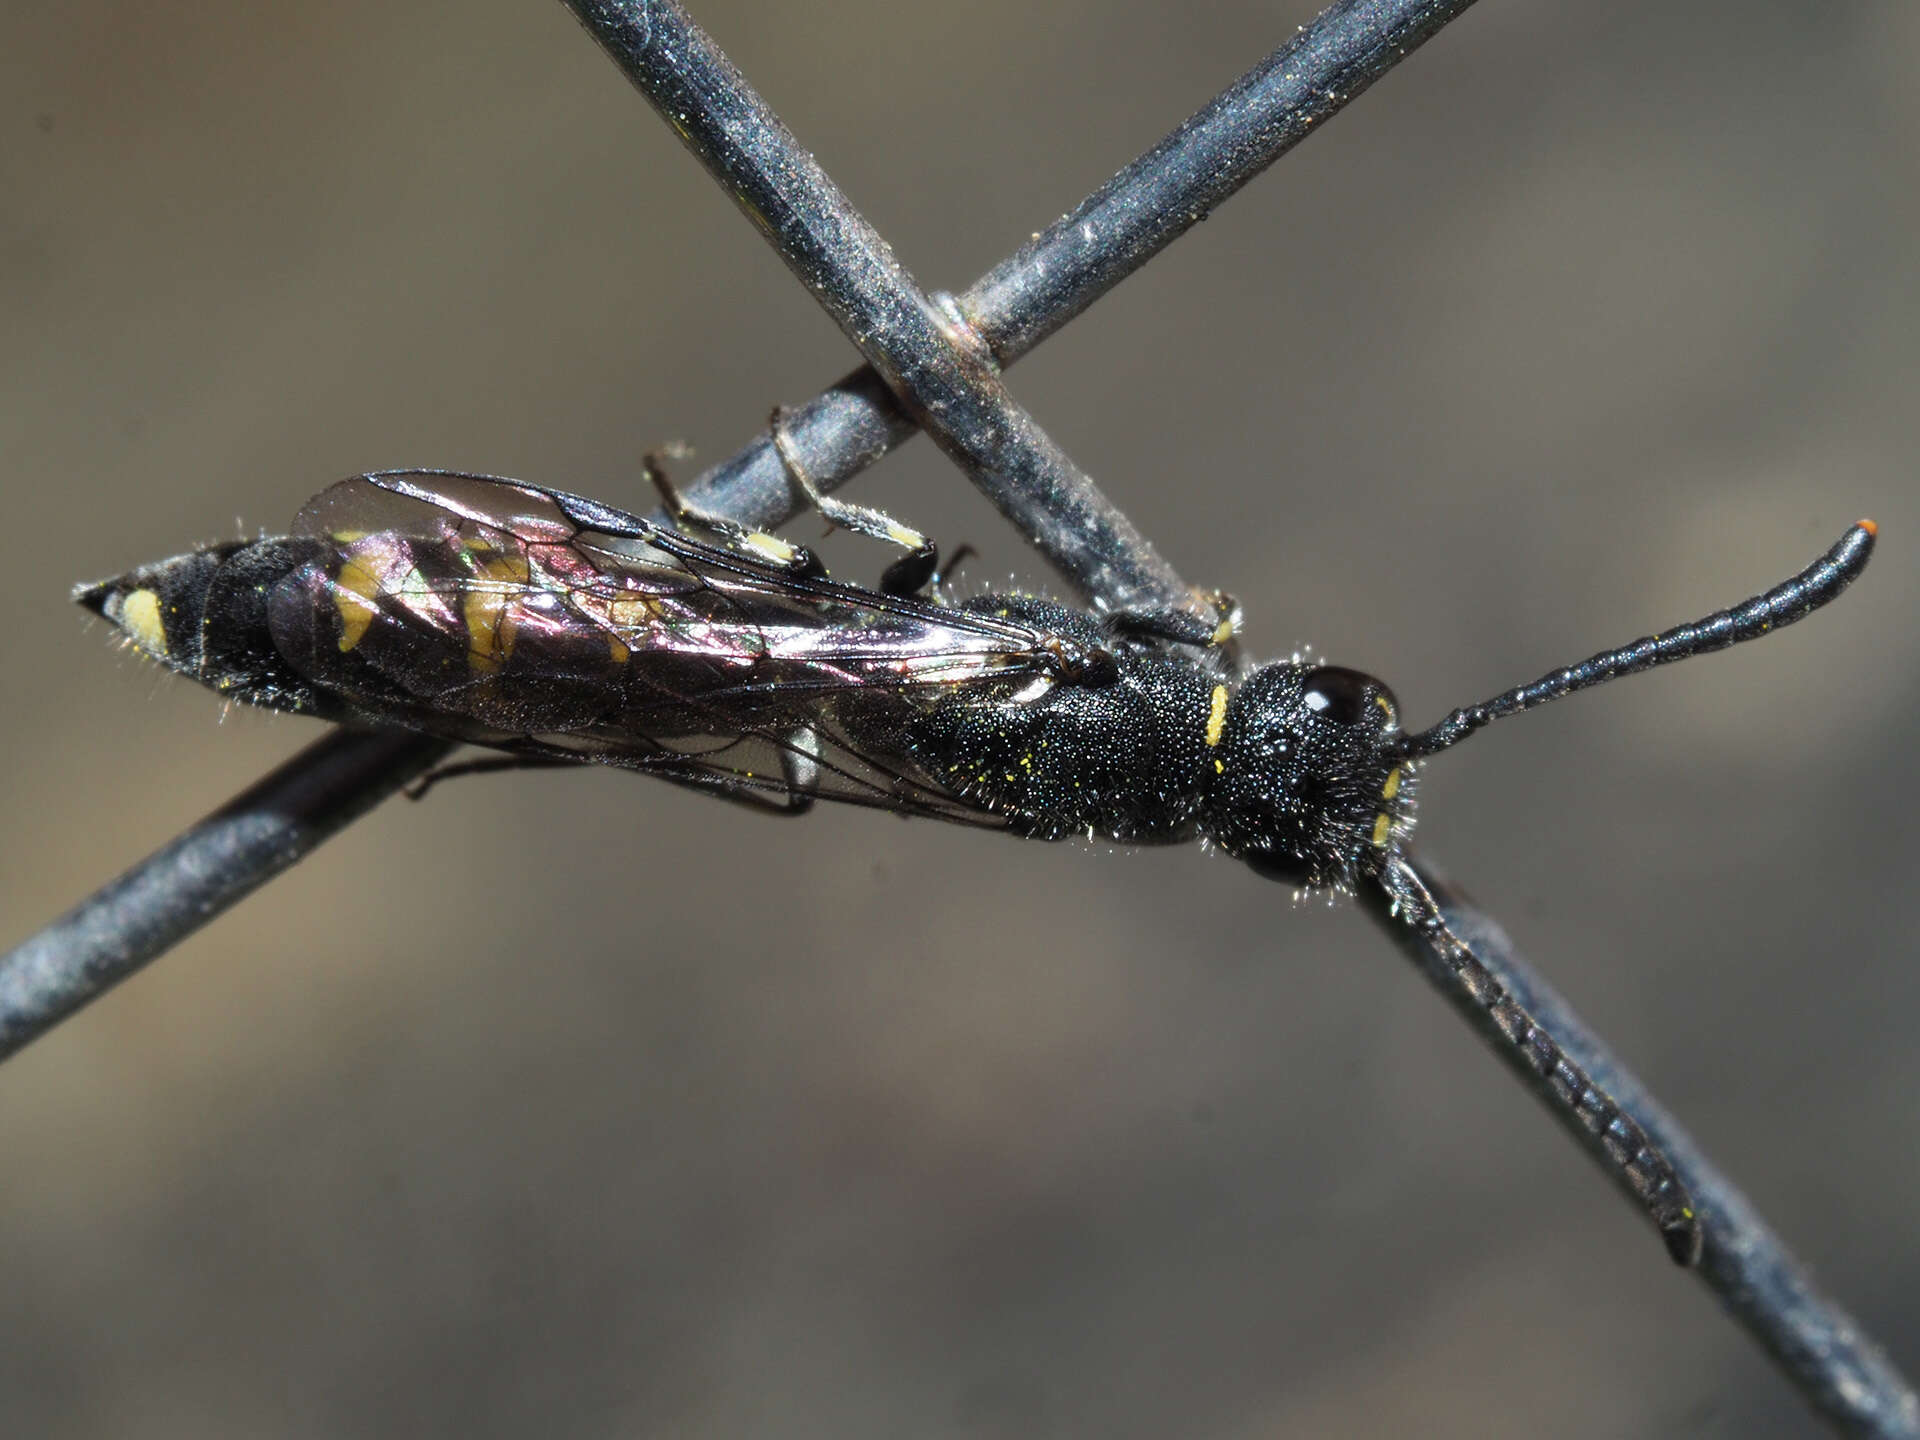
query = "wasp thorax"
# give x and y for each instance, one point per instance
(1304, 789)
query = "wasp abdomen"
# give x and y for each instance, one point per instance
(205, 614)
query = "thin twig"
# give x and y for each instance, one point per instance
(951, 386)
(1818, 1346)
(201, 872)
(1113, 232)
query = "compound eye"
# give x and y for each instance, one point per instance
(1340, 695)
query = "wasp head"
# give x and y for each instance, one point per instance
(1307, 787)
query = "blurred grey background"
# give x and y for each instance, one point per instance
(578, 1105)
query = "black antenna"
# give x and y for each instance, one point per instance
(1631, 1154)
(1787, 602)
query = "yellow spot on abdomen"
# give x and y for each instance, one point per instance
(140, 618)
(634, 612)
(491, 626)
(490, 633)
(1382, 828)
(1216, 716)
(1392, 787)
(355, 589)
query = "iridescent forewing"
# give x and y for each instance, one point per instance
(505, 614)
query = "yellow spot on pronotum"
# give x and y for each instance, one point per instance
(140, 618)
(1382, 828)
(1392, 787)
(1216, 716)
(1386, 705)
(354, 590)
(1222, 632)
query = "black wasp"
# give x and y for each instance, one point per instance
(563, 631)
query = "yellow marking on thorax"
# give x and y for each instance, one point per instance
(355, 590)
(1216, 716)
(140, 618)
(1386, 705)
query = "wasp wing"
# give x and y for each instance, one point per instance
(530, 620)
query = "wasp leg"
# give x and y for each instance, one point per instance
(943, 577)
(908, 575)
(801, 561)
(1183, 627)
(492, 764)
(737, 791)
(800, 768)
(794, 795)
